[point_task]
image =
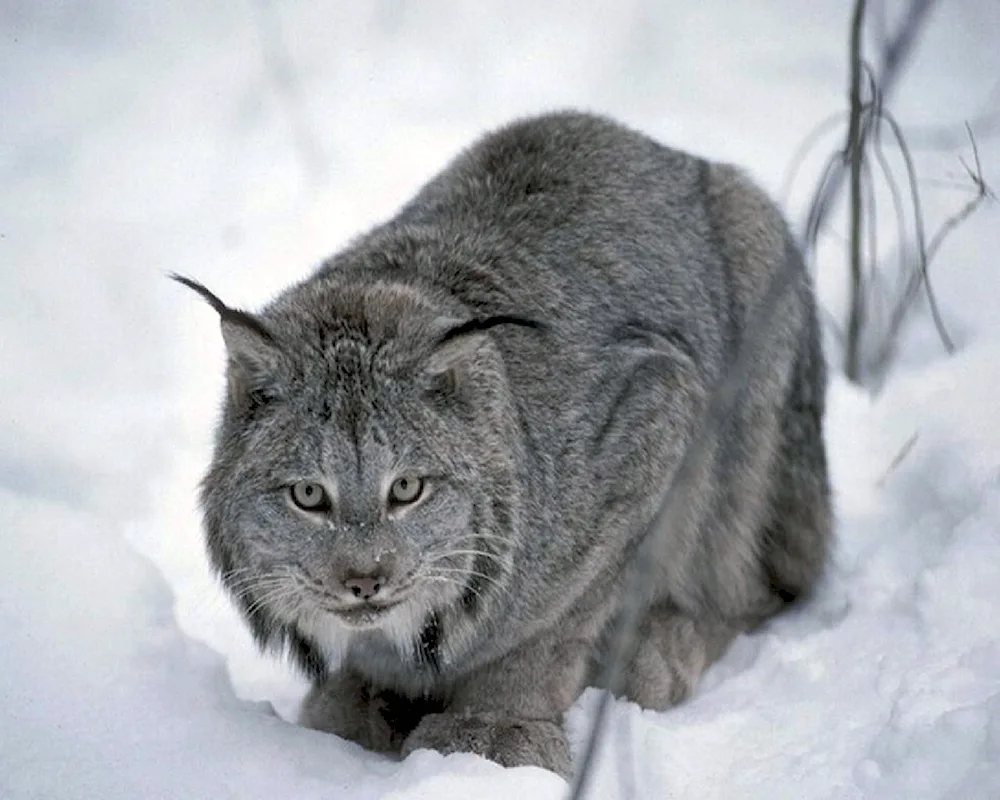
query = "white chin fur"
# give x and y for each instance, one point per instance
(400, 626)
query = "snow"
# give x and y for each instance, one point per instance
(138, 139)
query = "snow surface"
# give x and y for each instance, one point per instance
(141, 138)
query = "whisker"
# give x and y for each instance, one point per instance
(454, 582)
(268, 589)
(254, 581)
(249, 576)
(287, 602)
(470, 573)
(450, 553)
(254, 590)
(271, 597)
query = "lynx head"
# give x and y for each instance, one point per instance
(364, 477)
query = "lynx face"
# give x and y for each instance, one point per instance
(355, 475)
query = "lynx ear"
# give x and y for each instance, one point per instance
(253, 352)
(459, 340)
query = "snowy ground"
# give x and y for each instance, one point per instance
(141, 138)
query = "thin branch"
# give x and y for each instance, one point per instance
(853, 152)
(870, 226)
(822, 128)
(820, 205)
(983, 193)
(897, 54)
(905, 301)
(948, 137)
(894, 193)
(950, 184)
(897, 51)
(923, 261)
(904, 451)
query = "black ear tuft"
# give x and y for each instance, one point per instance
(460, 339)
(226, 314)
(481, 325)
(208, 296)
(253, 350)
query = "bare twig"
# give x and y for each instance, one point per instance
(890, 69)
(948, 183)
(904, 451)
(897, 50)
(922, 263)
(824, 127)
(819, 208)
(983, 193)
(870, 227)
(904, 302)
(948, 137)
(853, 153)
(894, 192)
(983, 125)
(863, 142)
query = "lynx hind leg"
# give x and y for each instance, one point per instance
(674, 651)
(795, 526)
(798, 537)
(346, 705)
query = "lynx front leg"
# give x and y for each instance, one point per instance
(346, 705)
(496, 735)
(511, 711)
(674, 651)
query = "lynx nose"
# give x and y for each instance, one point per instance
(365, 588)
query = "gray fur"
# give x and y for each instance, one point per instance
(537, 332)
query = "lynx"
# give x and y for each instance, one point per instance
(437, 454)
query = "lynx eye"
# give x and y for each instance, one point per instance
(406, 489)
(309, 496)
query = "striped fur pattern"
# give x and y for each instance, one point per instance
(531, 339)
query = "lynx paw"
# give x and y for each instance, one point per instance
(348, 707)
(506, 740)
